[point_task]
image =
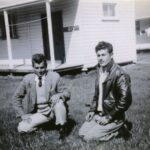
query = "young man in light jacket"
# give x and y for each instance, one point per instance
(41, 96)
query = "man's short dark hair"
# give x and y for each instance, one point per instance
(104, 45)
(38, 58)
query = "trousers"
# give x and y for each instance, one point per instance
(91, 130)
(32, 121)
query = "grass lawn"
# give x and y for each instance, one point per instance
(82, 89)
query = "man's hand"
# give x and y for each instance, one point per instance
(102, 120)
(89, 116)
(26, 118)
(55, 99)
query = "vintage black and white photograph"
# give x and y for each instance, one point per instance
(74, 74)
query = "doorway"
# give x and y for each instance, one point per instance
(57, 27)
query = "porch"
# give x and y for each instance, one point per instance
(36, 27)
(24, 68)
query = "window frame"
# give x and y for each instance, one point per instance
(13, 28)
(116, 9)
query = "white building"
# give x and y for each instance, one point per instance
(72, 27)
(142, 9)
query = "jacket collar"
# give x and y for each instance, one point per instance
(110, 68)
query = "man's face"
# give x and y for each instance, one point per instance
(104, 57)
(39, 69)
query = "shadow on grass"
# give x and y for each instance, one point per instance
(51, 126)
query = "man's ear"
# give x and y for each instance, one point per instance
(111, 55)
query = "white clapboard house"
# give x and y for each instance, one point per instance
(66, 31)
(142, 9)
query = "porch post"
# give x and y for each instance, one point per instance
(50, 34)
(9, 47)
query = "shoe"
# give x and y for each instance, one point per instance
(81, 137)
(124, 131)
(62, 133)
(128, 125)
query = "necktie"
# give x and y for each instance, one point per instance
(40, 81)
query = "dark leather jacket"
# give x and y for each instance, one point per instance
(116, 92)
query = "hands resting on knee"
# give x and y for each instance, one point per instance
(26, 118)
(102, 120)
(55, 99)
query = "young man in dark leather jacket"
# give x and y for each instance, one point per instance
(111, 99)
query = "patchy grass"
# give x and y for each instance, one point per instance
(82, 89)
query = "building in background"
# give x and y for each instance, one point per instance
(66, 31)
(142, 13)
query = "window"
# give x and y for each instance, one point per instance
(2, 28)
(138, 27)
(110, 11)
(13, 29)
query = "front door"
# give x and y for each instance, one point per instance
(57, 36)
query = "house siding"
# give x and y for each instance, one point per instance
(79, 45)
(70, 14)
(120, 33)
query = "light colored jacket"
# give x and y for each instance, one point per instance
(25, 97)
